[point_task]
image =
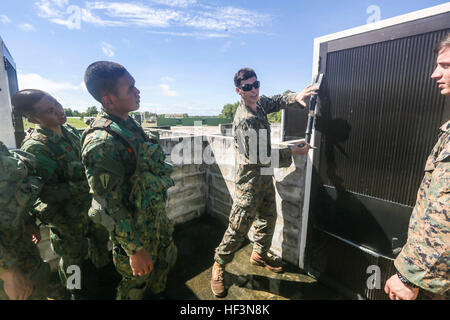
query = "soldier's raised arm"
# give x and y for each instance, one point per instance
(282, 101)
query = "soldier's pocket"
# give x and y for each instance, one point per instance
(122, 262)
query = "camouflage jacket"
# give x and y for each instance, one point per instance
(425, 258)
(59, 164)
(129, 181)
(251, 131)
(19, 190)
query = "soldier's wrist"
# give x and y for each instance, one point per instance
(132, 249)
(405, 281)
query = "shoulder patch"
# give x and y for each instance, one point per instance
(104, 179)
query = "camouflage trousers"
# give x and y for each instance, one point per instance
(75, 247)
(135, 288)
(254, 206)
(33, 268)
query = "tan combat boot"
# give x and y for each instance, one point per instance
(217, 285)
(266, 262)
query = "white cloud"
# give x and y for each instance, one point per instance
(160, 14)
(136, 14)
(166, 91)
(108, 49)
(60, 3)
(4, 18)
(228, 19)
(226, 47)
(88, 17)
(70, 95)
(176, 3)
(198, 35)
(49, 8)
(36, 81)
(167, 79)
(27, 27)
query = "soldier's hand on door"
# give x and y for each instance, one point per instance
(303, 96)
(300, 149)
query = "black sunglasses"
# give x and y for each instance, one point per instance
(249, 87)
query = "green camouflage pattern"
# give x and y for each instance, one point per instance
(129, 178)
(136, 288)
(255, 193)
(424, 260)
(19, 190)
(65, 199)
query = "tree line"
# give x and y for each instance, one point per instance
(93, 111)
(90, 112)
(229, 110)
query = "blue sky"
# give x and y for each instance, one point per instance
(182, 53)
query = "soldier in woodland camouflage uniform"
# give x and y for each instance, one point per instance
(424, 261)
(129, 180)
(23, 274)
(255, 193)
(64, 200)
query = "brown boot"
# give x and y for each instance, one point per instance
(266, 262)
(217, 286)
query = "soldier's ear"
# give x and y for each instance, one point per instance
(107, 101)
(33, 120)
(238, 91)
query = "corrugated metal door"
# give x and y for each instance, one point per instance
(379, 118)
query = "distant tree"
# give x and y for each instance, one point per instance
(91, 112)
(276, 117)
(229, 110)
(68, 112)
(76, 113)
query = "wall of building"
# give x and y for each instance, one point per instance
(289, 186)
(6, 123)
(204, 168)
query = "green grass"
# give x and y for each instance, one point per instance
(190, 121)
(75, 122)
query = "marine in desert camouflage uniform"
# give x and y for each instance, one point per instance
(255, 193)
(424, 261)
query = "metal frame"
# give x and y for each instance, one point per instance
(419, 22)
(6, 121)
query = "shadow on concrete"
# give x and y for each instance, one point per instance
(190, 279)
(196, 241)
(288, 289)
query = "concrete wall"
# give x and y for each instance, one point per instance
(220, 177)
(289, 186)
(204, 168)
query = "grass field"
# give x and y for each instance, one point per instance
(209, 121)
(190, 121)
(75, 122)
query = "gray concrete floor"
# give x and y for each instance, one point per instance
(190, 279)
